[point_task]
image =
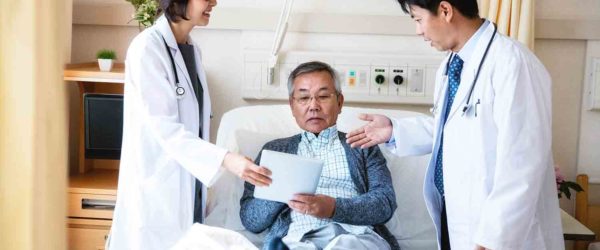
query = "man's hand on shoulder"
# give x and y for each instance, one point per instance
(377, 130)
(320, 206)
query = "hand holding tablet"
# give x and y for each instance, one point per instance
(291, 174)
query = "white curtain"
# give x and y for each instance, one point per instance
(515, 18)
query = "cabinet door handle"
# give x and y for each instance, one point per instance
(98, 204)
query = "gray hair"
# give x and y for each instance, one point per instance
(310, 67)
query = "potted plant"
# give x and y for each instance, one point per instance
(563, 186)
(105, 59)
(145, 13)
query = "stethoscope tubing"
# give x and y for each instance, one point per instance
(179, 90)
(472, 87)
(479, 68)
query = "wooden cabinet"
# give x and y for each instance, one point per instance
(92, 188)
(87, 234)
(93, 194)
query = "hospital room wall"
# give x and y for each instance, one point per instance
(564, 58)
(589, 136)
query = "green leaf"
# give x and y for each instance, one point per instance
(106, 54)
(146, 11)
(574, 186)
(565, 188)
(568, 193)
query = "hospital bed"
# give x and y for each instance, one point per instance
(247, 129)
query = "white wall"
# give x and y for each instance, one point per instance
(371, 7)
(564, 59)
(221, 47)
(589, 138)
(567, 10)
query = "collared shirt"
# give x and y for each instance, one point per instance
(335, 180)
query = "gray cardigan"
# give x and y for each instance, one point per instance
(374, 206)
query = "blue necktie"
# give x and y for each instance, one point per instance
(453, 81)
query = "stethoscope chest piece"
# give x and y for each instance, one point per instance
(466, 109)
(180, 91)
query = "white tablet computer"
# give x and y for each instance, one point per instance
(291, 174)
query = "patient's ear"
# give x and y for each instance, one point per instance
(340, 100)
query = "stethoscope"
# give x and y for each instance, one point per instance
(467, 105)
(179, 90)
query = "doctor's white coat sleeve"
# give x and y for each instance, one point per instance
(522, 115)
(148, 69)
(411, 136)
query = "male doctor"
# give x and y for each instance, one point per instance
(490, 183)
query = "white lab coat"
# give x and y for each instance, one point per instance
(161, 153)
(498, 172)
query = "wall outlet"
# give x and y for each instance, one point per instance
(398, 80)
(379, 80)
(416, 81)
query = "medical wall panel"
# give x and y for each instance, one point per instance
(364, 77)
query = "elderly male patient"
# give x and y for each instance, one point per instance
(354, 197)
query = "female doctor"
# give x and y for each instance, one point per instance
(490, 183)
(165, 134)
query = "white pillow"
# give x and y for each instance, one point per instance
(411, 224)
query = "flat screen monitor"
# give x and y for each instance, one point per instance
(103, 115)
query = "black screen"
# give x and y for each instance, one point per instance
(103, 115)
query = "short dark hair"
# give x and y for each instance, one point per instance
(468, 8)
(310, 67)
(174, 10)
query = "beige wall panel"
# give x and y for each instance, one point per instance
(565, 61)
(33, 128)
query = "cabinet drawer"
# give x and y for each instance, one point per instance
(91, 205)
(87, 238)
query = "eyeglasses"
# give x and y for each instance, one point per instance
(320, 98)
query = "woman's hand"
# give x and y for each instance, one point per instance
(245, 169)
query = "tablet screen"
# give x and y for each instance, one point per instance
(291, 174)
